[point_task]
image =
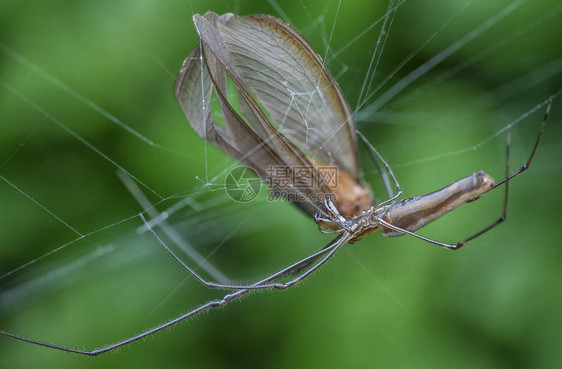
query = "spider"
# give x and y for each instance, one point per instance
(269, 123)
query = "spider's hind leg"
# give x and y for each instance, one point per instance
(508, 177)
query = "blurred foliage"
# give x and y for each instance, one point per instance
(405, 304)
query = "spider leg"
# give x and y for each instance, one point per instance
(508, 177)
(102, 350)
(528, 163)
(331, 248)
(148, 208)
(322, 212)
(384, 176)
(199, 259)
(505, 181)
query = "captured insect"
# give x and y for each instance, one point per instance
(283, 116)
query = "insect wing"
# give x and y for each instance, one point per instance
(293, 85)
(252, 140)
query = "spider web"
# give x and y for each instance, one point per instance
(82, 155)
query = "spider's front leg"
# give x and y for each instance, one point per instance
(334, 221)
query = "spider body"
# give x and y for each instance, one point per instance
(409, 214)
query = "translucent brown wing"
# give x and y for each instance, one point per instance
(291, 113)
(291, 82)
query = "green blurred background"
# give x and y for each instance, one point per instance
(495, 303)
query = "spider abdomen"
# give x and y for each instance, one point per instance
(413, 213)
